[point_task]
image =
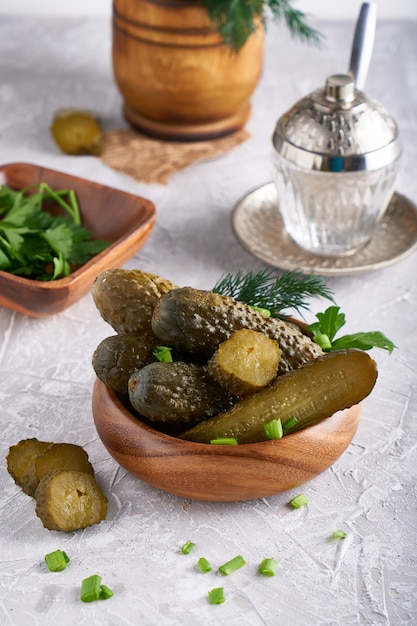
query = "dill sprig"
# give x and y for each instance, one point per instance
(236, 20)
(277, 293)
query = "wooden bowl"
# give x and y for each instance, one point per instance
(218, 473)
(121, 218)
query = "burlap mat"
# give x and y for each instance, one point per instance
(153, 161)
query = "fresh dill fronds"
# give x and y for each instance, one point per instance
(276, 292)
(236, 20)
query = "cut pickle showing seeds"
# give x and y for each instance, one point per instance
(246, 362)
(58, 456)
(22, 455)
(311, 393)
(68, 500)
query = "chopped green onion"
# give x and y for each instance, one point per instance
(273, 429)
(289, 423)
(163, 354)
(57, 561)
(90, 588)
(299, 501)
(268, 567)
(339, 534)
(232, 565)
(265, 312)
(187, 547)
(204, 565)
(105, 592)
(323, 341)
(216, 596)
(224, 441)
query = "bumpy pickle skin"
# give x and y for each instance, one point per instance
(117, 357)
(198, 321)
(68, 500)
(59, 456)
(311, 393)
(177, 393)
(126, 299)
(22, 455)
(246, 362)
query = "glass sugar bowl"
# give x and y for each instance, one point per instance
(336, 155)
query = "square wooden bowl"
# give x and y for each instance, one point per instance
(112, 215)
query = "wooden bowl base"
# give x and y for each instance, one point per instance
(174, 131)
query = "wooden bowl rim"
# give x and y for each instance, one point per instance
(297, 437)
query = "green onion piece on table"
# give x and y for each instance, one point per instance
(273, 429)
(339, 534)
(90, 588)
(56, 561)
(187, 547)
(216, 596)
(204, 565)
(105, 592)
(299, 501)
(268, 567)
(224, 441)
(232, 565)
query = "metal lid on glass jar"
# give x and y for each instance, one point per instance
(337, 129)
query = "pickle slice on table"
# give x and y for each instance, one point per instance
(58, 456)
(197, 321)
(22, 455)
(311, 393)
(67, 500)
(246, 362)
(126, 299)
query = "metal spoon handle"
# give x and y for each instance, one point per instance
(363, 43)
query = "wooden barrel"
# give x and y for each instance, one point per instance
(177, 78)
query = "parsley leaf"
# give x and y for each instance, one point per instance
(331, 321)
(37, 245)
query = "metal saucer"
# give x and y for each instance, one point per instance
(258, 226)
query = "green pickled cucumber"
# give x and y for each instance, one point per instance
(198, 321)
(311, 393)
(126, 299)
(177, 393)
(77, 132)
(22, 455)
(246, 362)
(67, 500)
(58, 456)
(117, 357)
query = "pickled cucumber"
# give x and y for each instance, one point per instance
(22, 455)
(311, 393)
(177, 393)
(245, 362)
(77, 132)
(117, 357)
(67, 500)
(199, 321)
(58, 456)
(126, 299)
